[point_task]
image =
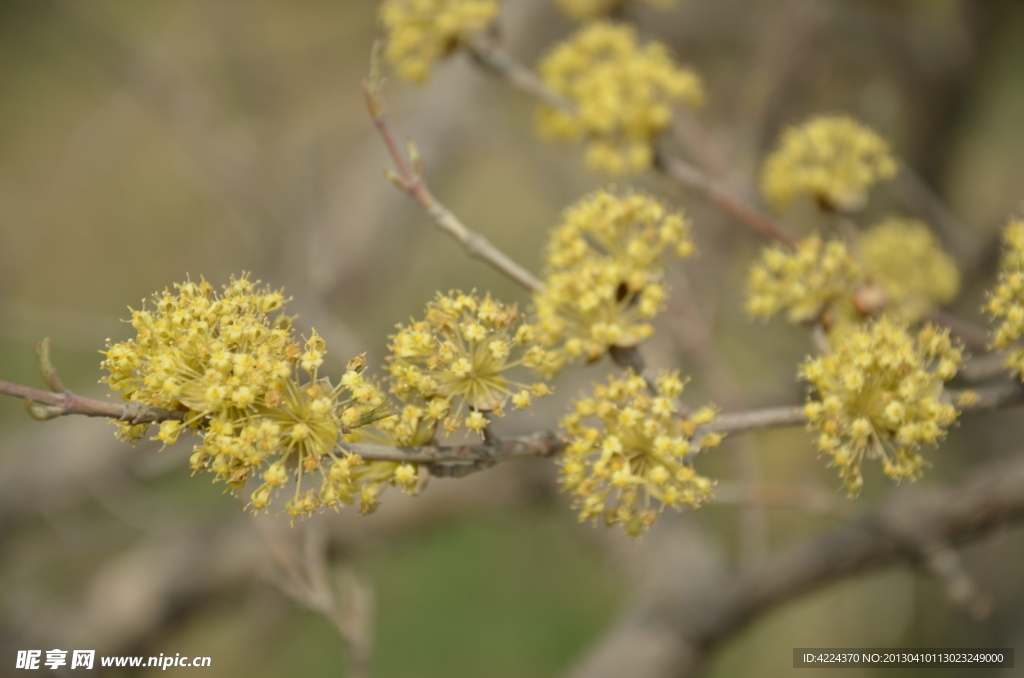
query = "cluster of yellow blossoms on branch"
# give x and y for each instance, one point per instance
(604, 274)
(456, 361)
(833, 159)
(878, 395)
(802, 281)
(421, 32)
(907, 262)
(253, 393)
(621, 93)
(629, 452)
(878, 390)
(900, 267)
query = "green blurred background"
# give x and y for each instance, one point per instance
(141, 142)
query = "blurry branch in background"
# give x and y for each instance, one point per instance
(135, 596)
(681, 632)
(918, 197)
(498, 61)
(307, 580)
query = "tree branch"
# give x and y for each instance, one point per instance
(46, 405)
(683, 630)
(542, 444)
(409, 177)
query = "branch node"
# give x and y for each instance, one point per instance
(134, 413)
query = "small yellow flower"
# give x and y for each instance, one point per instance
(833, 159)
(169, 432)
(903, 258)
(622, 95)
(420, 32)
(635, 459)
(476, 421)
(878, 395)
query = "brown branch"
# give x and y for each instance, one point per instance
(409, 177)
(994, 497)
(725, 198)
(488, 53)
(46, 405)
(683, 630)
(542, 444)
(536, 445)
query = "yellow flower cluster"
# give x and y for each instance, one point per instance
(455, 361)
(635, 458)
(621, 92)
(879, 395)
(908, 264)
(235, 373)
(420, 32)
(833, 159)
(588, 9)
(603, 279)
(1006, 302)
(802, 281)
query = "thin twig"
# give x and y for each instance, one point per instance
(409, 177)
(486, 52)
(47, 405)
(307, 581)
(725, 198)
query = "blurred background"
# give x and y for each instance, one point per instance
(141, 142)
